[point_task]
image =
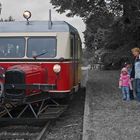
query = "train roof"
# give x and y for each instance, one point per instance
(36, 26)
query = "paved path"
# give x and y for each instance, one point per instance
(107, 117)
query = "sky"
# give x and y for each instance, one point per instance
(39, 10)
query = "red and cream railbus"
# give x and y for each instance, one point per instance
(39, 58)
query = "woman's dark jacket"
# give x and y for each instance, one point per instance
(135, 73)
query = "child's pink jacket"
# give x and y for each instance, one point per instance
(125, 81)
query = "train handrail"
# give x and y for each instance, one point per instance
(1, 88)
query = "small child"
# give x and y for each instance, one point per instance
(125, 84)
(129, 69)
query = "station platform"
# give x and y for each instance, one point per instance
(106, 116)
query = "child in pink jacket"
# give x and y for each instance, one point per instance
(125, 84)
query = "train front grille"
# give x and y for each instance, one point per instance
(13, 79)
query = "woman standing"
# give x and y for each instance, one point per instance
(135, 74)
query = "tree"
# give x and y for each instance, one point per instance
(95, 14)
(9, 19)
(120, 17)
(74, 7)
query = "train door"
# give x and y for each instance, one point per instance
(76, 60)
(74, 55)
(79, 59)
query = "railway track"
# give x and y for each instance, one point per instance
(24, 132)
(30, 128)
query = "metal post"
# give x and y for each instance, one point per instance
(0, 8)
(50, 20)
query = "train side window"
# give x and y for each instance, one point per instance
(76, 49)
(72, 46)
(74, 42)
(79, 48)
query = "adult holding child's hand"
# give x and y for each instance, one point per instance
(135, 74)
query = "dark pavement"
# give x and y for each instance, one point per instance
(107, 117)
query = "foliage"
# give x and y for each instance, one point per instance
(81, 8)
(9, 19)
(120, 19)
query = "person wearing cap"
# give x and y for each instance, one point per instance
(125, 84)
(135, 74)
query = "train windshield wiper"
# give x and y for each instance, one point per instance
(40, 54)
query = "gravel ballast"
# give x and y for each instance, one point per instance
(69, 126)
(109, 117)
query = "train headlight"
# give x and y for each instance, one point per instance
(27, 14)
(57, 68)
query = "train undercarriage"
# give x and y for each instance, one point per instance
(32, 109)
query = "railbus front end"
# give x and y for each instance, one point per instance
(37, 61)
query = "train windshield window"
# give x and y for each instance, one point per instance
(12, 47)
(42, 47)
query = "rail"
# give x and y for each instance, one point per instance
(36, 128)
